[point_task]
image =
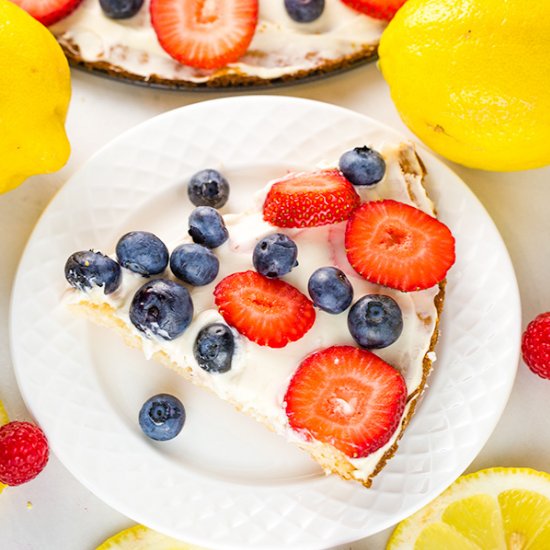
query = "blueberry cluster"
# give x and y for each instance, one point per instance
(162, 307)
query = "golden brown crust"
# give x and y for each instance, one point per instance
(222, 78)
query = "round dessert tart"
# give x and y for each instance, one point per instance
(215, 44)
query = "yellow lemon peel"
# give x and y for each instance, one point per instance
(34, 96)
(471, 77)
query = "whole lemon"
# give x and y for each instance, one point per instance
(35, 89)
(471, 78)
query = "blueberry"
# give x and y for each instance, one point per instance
(375, 321)
(304, 11)
(207, 227)
(330, 289)
(142, 252)
(162, 417)
(163, 308)
(275, 255)
(194, 264)
(86, 269)
(214, 347)
(208, 188)
(120, 9)
(362, 166)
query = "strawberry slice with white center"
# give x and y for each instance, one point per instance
(348, 398)
(269, 312)
(205, 34)
(396, 245)
(48, 12)
(309, 199)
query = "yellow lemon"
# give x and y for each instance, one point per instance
(140, 537)
(471, 78)
(494, 509)
(35, 90)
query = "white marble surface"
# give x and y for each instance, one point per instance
(65, 515)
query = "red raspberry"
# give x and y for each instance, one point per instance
(23, 452)
(535, 345)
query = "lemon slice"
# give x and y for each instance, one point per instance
(140, 537)
(494, 509)
(4, 419)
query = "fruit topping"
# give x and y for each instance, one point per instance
(396, 245)
(87, 269)
(309, 199)
(379, 9)
(330, 289)
(208, 188)
(535, 345)
(162, 417)
(269, 312)
(120, 9)
(375, 321)
(362, 166)
(346, 397)
(142, 252)
(23, 452)
(214, 348)
(275, 255)
(48, 12)
(205, 35)
(194, 264)
(207, 227)
(162, 308)
(304, 11)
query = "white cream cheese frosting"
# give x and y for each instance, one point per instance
(280, 45)
(260, 375)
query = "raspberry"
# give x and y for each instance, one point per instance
(535, 345)
(23, 452)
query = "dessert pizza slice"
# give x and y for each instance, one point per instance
(316, 313)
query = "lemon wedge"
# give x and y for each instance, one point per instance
(493, 509)
(140, 537)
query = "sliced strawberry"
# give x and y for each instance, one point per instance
(379, 9)
(269, 312)
(308, 199)
(393, 244)
(346, 397)
(206, 34)
(48, 12)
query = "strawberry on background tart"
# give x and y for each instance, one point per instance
(215, 42)
(291, 311)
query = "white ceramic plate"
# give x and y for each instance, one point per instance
(226, 482)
